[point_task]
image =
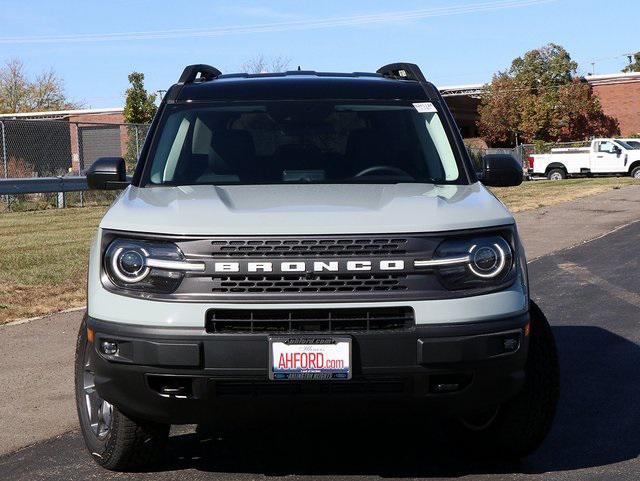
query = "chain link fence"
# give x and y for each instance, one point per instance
(546, 147)
(477, 155)
(49, 148)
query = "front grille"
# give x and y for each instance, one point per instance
(254, 321)
(294, 248)
(310, 284)
(240, 284)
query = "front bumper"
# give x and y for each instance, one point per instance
(188, 376)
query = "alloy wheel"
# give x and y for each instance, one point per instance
(99, 412)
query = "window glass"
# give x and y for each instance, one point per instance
(296, 141)
(606, 146)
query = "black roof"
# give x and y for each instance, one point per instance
(300, 85)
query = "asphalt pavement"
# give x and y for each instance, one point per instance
(591, 294)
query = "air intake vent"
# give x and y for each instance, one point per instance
(324, 247)
(310, 284)
(353, 387)
(266, 321)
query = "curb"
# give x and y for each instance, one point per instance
(17, 322)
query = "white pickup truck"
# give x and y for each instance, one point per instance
(602, 157)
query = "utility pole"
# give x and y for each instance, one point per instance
(161, 93)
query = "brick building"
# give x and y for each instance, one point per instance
(620, 98)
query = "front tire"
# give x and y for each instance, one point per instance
(635, 173)
(556, 174)
(516, 428)
(115, 441)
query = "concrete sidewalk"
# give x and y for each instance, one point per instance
(37, 357)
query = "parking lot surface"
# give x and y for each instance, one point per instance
(590, 294)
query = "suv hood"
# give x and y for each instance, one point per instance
(305, 209)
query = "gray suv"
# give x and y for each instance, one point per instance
(308, 234)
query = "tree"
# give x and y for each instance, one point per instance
(19, 94)
(260, 64)
(541, 98)
(634, 66)
(139, 107)
(14, 87)
(47, 93)
(578, 114)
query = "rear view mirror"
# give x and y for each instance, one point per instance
(107, 173)
(501, 170)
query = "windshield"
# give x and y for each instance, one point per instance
(625, 144)
(301, 142)
(633, 144)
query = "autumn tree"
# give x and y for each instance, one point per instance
(262, 64)
(20, 94)
(47, 93)
(634, 63)
(540, 97)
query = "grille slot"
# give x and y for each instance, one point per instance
(257, 388)
(293, 248)
(269, 321)
(308, 284)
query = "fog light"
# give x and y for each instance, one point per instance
(511, 344)
(110, 348)
(451, 387)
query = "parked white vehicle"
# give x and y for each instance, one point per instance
(602, 157)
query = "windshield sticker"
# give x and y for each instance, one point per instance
(425, 107)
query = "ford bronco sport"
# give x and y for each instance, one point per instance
(308, 233)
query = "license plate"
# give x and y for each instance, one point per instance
(309, 358)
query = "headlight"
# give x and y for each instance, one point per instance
(490, 257)
(474, 262)
(154, 267)
(128, 264)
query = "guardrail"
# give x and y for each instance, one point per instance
(36, 185)
(44, 185)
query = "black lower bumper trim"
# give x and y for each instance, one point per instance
(186, 375)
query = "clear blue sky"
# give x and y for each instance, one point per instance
(94, 44)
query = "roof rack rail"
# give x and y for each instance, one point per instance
(403, 70)
(190, 73)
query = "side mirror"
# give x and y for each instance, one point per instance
(501, 170)
(617, 150)
(107, 173)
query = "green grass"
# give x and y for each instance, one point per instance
(43, 258)
(542, 193)
(43, 254)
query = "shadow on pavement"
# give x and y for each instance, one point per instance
(597, 424)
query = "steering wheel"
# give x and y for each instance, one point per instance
(384, 168)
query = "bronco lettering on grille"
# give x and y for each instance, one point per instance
(312, 266)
